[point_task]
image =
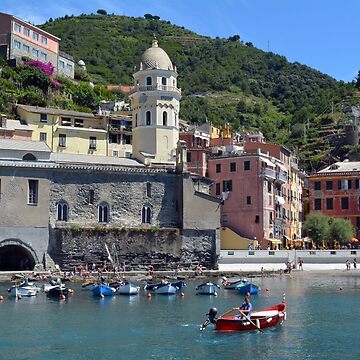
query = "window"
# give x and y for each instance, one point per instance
(62, 211)
(248, 200)
(148, 118)
(246, 165)
(148, 189)
(61, 64)
(317, 204)
(115, 153)
(232, 167)
(163, 81)
(227, 185)
(146, 214)
(69, 67)
(43, 56)
(257, 219)
(33, 192)
(35, 53)
(43, 118)
(329, 203)
(357, 184)
(344, 184)
(43, 136)
(217, 189)
(44, 40)
(165, 116)
(35, 36)
(91, 196)
(26, 48)
(104, 212)
(17, 27)
(92, 143)
(269, 187)
(26, 31)
(218, 168)
(17, 44)
(65, 121)
(62, 140)
(358, 222)
(136, 119)
(29, 157)
(329, 185)
(79, 123)
(148, 80)
(344, 203)
(317, 185)
(188, 156)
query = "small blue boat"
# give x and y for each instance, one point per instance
(208, 288)
(248, 288)
(103, 290)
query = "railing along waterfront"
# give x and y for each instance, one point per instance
(156, 88)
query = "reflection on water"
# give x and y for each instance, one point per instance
(167, 327)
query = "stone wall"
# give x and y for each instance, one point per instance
(162, 248)
(124, 192)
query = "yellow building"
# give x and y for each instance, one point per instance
(66, 131)
(296, 207)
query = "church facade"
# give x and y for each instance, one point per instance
(63, 208)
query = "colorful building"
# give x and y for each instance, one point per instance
(335, 192)
(66, 131)
(19, 39)
(120, 136)
(14, 129)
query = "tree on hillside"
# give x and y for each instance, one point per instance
(357, 80)
(316, 227)
(340, 231)
(84, 95)
(101, 12)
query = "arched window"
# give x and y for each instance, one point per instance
(165, 116)
(146, 214)
(163, 81)
(148, 118)
(148, 80)
(104, 212)
(29, 157)
(62, 211)
(174, 83)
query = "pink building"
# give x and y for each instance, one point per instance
(20, 39)
(255, 188)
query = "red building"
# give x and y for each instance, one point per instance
(335, 192)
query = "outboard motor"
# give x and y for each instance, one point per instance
(212, 315)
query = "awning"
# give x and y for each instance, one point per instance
(282, 167)
(274, 241)
(267, 161)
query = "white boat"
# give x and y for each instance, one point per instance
(26, 288)
(165, 289)
(128, 289)
(208, 288)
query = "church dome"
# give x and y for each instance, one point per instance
(155, 58)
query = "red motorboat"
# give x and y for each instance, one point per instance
(259, 320)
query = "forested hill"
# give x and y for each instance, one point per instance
(223, 80)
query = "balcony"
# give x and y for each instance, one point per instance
(281, 176)
(268, 173)
(155, 88)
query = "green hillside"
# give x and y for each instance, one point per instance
(223, 80)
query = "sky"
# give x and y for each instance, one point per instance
(323, 34)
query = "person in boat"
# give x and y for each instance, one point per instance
(246, 306)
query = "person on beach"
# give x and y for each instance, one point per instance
(300, 261)
(347, 265)
(354, 263)
(246, 306)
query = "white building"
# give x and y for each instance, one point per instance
(155, 103)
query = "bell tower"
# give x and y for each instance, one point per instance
(155, 102)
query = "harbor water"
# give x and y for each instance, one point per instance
(322, 323)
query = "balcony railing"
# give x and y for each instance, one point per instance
(268, 173)
(156, 88)
(281, 176)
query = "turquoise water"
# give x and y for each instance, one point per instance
(322, 323)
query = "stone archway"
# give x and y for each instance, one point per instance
(16, 256)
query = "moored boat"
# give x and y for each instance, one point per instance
(25, 288)
(56, 289)
(208, 288)
(232, 285)
(248, 288)
(165, 289)
(154, 285)
(103, 290)
(128, 289)
(259, 320)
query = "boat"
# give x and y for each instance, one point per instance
(128, 289)
(56, 289)
(165, 289)
(208, 288)
(153, 285)
(259, 320)
(25, 288)
(232, 285)
(248, 288)
(102, 289)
